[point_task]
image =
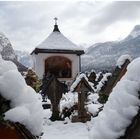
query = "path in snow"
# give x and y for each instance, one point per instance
(60, 130)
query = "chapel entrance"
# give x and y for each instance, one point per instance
(60, 66)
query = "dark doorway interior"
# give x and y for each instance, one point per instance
(60, 66)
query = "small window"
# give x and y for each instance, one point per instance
(60, 66)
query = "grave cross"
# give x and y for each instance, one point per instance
(82, 88)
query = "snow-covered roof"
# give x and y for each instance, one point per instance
(78, 80)
(56, 40)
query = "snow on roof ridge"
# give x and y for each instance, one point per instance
(78, 79)
(56, 40)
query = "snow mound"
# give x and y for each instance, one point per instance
(94, 108)
(121, 107)
(25, 102)
(122, 60)
(56, 40)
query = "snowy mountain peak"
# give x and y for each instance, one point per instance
(3, 40)
(103, 56)
(7, 52)
(134, 33)
(6, 49)
(136, 28)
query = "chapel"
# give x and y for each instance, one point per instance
(57, 55)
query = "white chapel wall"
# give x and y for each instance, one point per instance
(40, 61)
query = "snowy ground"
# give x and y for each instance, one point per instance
(64, 129)
(26, 107)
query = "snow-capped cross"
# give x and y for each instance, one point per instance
(55, 20)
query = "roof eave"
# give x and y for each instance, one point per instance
(38, 50)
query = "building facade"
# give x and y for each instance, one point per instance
(57, 55)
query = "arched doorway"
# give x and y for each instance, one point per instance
(60, 66)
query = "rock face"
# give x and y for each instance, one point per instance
(6, 49)
(103, 56)
(7, 52)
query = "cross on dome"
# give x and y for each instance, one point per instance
(55, 20)
(56, 29)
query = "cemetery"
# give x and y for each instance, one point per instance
(56, 98)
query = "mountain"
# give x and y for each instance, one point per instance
(6, 49)
(7, 52)
(103, 56)
(24, 58)
(134, 33)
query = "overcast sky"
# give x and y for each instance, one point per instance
(27, 24)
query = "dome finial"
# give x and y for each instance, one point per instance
(56, 26)
(55, 20)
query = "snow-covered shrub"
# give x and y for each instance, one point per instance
(122, 105)
(68, 100)
(93, 106)
(67, 104)
(26, 106)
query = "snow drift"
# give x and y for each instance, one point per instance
(26, 106)
(121, 107)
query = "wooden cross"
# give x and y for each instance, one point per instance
(82, 88)
(55, 20)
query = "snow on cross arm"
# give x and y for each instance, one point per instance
(78, 79)
(122, 60)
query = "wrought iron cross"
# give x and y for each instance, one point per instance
(55, 20)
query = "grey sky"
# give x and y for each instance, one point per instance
(27, 24)
(115, 12)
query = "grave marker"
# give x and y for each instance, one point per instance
(82, 88)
